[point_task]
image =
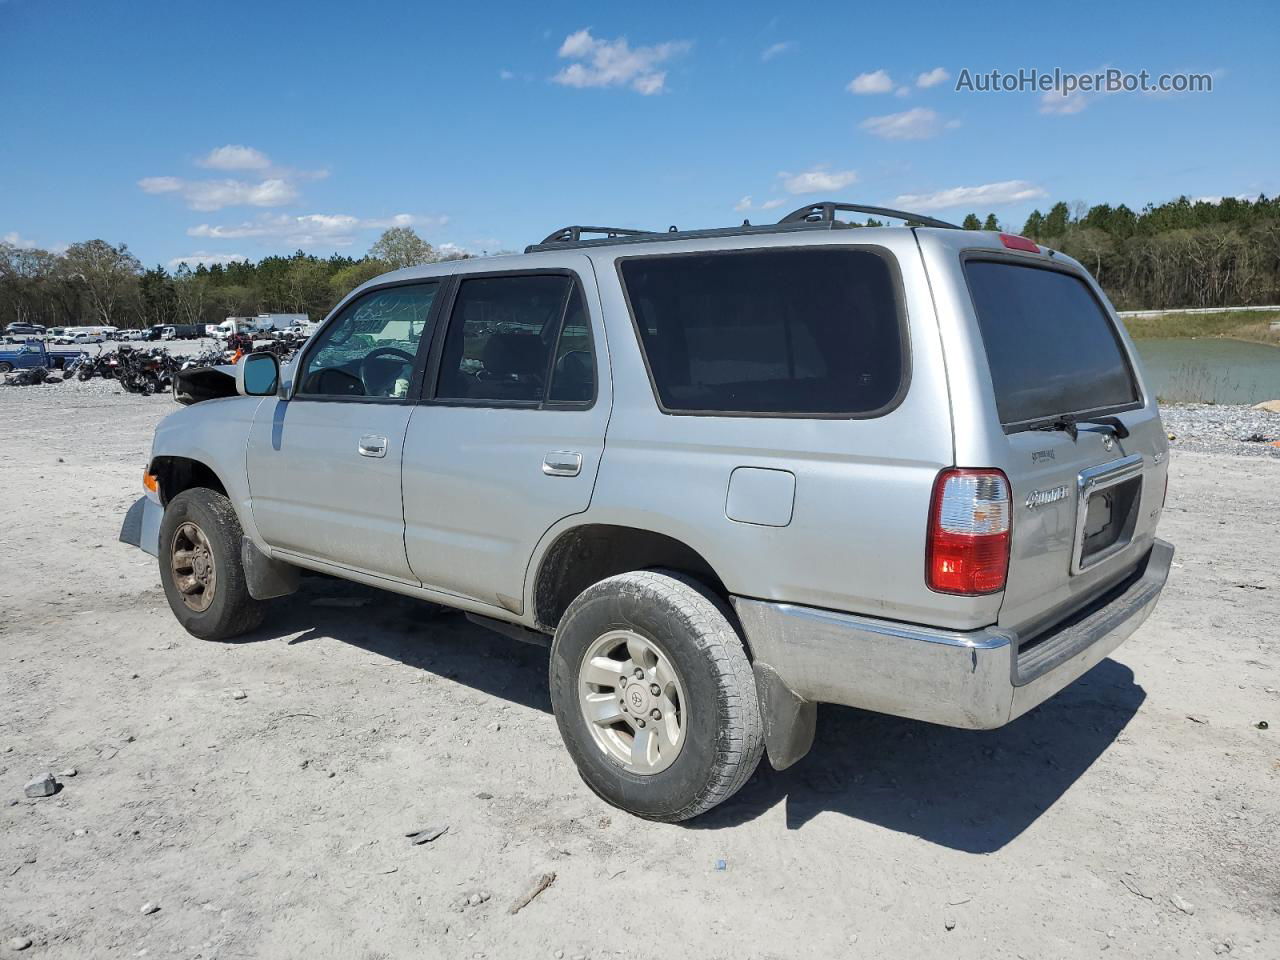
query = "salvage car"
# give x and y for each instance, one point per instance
(32, 354)
(725, 475)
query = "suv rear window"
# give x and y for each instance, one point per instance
(1051, 347)
(810, 331)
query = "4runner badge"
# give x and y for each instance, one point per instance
(1042, 498)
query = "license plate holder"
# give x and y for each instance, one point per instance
(1108, 506)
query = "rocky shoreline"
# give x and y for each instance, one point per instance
(1222, 428)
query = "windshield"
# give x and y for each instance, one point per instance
(1051, 347)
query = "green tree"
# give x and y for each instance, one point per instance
(157, 302)
(990, 223)
(402, 247)
(109, 274)
(971, 222)
(1034, 225)
(348, 278)
(1055, 223)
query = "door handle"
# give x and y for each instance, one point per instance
(372, 446)
(562, 463)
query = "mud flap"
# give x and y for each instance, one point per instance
(789, 721)
(264, 577)
(141, 527)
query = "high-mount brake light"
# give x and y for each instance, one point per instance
(969, 522)
(1015, 242)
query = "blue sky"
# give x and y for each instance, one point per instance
(243, 129)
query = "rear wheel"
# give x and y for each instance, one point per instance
(654, 695)
(201, 569)
(5, 366)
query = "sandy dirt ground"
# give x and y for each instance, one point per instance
(259, 792)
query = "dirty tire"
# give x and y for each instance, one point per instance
(6, 366)
(724, 735)
(232, 611)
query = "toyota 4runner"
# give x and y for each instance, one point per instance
(725, 474)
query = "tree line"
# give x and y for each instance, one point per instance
(97, 283)
(1185, 253)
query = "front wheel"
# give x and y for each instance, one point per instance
(654, 695)
(6, 366)
(201, 569)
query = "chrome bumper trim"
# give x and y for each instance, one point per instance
(972, 679)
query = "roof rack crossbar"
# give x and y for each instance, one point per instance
(825, 212)
(574, 233)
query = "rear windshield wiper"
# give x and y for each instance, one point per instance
(1115, 423)
(1069, 423)
(1066, 423)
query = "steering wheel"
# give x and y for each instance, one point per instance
(380, 353)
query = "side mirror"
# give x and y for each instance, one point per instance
(257, 375)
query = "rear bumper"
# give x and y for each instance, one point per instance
(141, 525)
(978, 679)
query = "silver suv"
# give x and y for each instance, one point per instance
(725, 475)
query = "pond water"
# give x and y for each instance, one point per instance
(1210, 370)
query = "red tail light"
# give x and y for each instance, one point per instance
(1015, 242)
(969, 520)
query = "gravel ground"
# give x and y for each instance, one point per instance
(1222, 428)
(254, 796)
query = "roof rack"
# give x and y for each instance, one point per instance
(825, 212)
(817, 216)
(574, 234)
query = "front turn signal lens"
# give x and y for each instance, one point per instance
(150, 483)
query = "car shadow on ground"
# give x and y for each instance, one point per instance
(973, 791)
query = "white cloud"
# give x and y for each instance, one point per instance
(235, 156)
(1219, 197)
(934, 77)
(339, 229)
(743, 204)
(453, 250)
(14, 239)
(816, 180)
(208, 259)
(776, 50)
(614, 63)
(920, 123)
(876, 82)
(1055, 103)
(902, 92)
(216, 194)
(986, 195)
(773, 204)
(506, 75)
(160, 184)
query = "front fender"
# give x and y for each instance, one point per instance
(216, 434)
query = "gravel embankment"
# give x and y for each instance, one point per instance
(1222, 428)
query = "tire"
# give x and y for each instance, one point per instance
(721, 731)
(219, 607)
(6, 366)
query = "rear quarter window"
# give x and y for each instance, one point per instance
(1051, 347)
(810, 331)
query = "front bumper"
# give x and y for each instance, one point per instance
(141, 526)
(979, 679)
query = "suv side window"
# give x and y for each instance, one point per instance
(505, 342)
(371, 348)
(573, 377)
(814, 331)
